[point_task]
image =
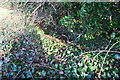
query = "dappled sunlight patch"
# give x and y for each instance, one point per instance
(4, 11)
(50, 44)
(10, 27)
(57, 52)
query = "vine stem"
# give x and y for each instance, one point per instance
(106, 57)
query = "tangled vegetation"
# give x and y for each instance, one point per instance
(63, 41)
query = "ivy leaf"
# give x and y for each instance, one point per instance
(92, 68)
(112, 35)
(106, 68)
(61, 72)
(43, 73)
(116, 56)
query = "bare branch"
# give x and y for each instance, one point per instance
(108, 44)
(101, 51)
(40, 5)
(106, 56)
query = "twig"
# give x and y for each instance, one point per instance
(46, 67)
(31, 75)
(63, 55)
(108, 44)
(26, 2)
(100, 51)
(53, 7)
(22, 71)
(79, 35)
(96, 55)
(105, 51)
(51, 68)
(106, 56)
(40, 5)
